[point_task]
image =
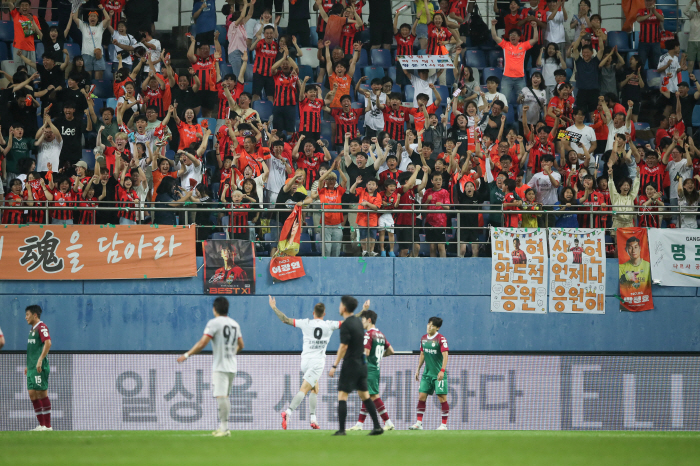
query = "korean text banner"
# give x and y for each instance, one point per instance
(635, 271)
(96, 252)
(675, 256)
(577, 270)
(519, 276)
(229, 267)
(425, 62)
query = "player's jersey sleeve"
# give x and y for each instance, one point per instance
(386, 343)
(43, 332)
(301, 323)
(212, 328)
(345, 336)
(334, 325)
(443, 344)
(421, 344)
(368, 340)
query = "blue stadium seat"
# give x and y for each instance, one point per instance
(305, 246)
(264, 109)
(381, 57)
(621, 39)
(364, 36)
(89, 158)
(360, 103)
(671, 16)
(639, 126)
(373, 72)
(326, 130)
(225, 69)
(360, 127)
(111, 103)
(39, 47)
(99, 103)
(108, 73)
(73, 49)
(358, 74)
(697, 74)
(696, 116)
(444, 92)
(313, 39)
(494, 56)
(449, 78)
(424, 247)
(475, 59)
(365, 86)
(396, 88)
(569, 73)
(497, 72)
(248, 87)
(4, 53)
(103, 88)
(364, 59)
(7, 31)
(306, 70)
(391, 72)
(685, 77)
(653, 79)
(409, 91)
(222, 33)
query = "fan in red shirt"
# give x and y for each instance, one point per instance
(511, 20)
(594, 200)
(439, 35)
(346, 119)
(310, 160)
(230, 88)
(251, 155)
(128, 199)
(90, 200)
(310, 111)
(518, 255)
(115, 7)
(285, 74)
(437, 199)
(238, 219)
(63, 197)
(395, 117)
(369, 199)
(409, 237)
(204, 66)
(405, 36)
(351, 28)
(511, 202)
(35, 195)
(561, 105)
(392, 173)
(419, 114)
(652, 172)
(190, 131)
(326, 5)
(597, 33)
(543, 145)
(153, 89)
(13, 199)
(265, 55)
(649, 203)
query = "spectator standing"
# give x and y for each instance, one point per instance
(514, 66)
(556, 17)
(204, 16)
(527, 16)
(204, 65)
(26, 27)
(423, 16)
(688, 101)
(694, 35)
(50, 143)
(380, 27)
(587, 79)
(298, 25)
(124, 44)
(236, 35)
(650, 21)
(92, 42)
(582, 20)
(679, 168)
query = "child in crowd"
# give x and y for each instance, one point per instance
(390, 200)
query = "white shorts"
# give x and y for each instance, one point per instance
(222, 382)
(312, 369)
(386, 222)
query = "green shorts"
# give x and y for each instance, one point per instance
(430, 385)
(373, 382)
(38, 381)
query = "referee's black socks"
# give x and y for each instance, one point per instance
(372, 410)
(343, 413)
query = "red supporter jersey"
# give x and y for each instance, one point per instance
(418, 117)
(510, 220)
(593, 203)
(566, 107)
(255, 160)
(206, 72)
(285, 89)
(265, 55)
(404, 45)
(127, 199)
(320, 23)
(438, 219)
(408, 199)
(649, 29)
(65, 200)
(347, 37)
(345, 123)
(35, 216)
(87, 217)
(394, 122)
(115, 6)
(595, 42)
(389, 175)
(310, 165)
(388, 202)
(436, 35)
(310, 115)
(538, 13)
(649, 215)
(538, 151)
(223, 101)
(654, 176)
(12, 216)
(155, 97)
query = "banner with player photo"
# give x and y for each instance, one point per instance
(96, 252)
(675, 256)
(229, 267)
(577, 270)
(519, 275)
(635, 270)
(425, 62)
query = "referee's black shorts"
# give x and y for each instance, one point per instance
(353, 376)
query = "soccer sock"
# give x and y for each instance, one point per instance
(445, 411)
(313, 400)
(224, 409)
(342, 414)
(369, 406)
(363, 415)
(38, 408)
(381, 409)
(421, 410)
(46, 403)
(296, 401)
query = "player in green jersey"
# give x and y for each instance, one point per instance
(37, 371)
(376, 348)
(433, 351)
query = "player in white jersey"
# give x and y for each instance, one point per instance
(317, 333)
(226, 342)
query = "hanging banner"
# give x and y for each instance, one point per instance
(577, 270)
(96, 252)
(519, 276)
(635, 272)
(229, 267)
(291, 233)
(675, 256)
(286, 268)
(425, 62)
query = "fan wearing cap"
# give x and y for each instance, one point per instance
(92, 41)
(81, 174)
(599, 36)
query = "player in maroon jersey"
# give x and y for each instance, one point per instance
(518, 254)
(577, 252)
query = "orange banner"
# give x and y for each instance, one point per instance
(96, 252)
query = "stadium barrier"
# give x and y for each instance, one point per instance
(141, 391)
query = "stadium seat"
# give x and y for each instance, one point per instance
(326, 130)
(373, 72)
(7, 31)
(621, 39)
(39, 47)
(9, 66)
(381, 57)
(444, 92)
(89, 158)
(309, 57)
(360, 103)
(497, 72)
(73, 49)
(264, 109)
(306, 70)
(99, 103)
(449, 78)
(364, 36)
(358, 74)
(108, 73)
(424, 247)
(409, 91)
(653, 79)
(494, 56)
(697, 74)
(305, 246)
(391, 72)
(364, 59)
(103, 88)
(313, 39)
(225, 68)
(696, 116)
(397, 88)
(4, 53)
(685, 77)
(475, 59)
(360, 127)
(248, 87)
(111, 103)
(216, 236)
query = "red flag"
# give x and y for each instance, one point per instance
(290, 234)
(286, 268)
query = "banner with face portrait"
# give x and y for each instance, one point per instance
(520, 266)
(229, 267)
(577, 270)
(635, 270)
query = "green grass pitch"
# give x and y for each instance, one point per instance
(473, 448)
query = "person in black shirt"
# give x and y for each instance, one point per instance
(299, 22)
(51, 76)
(71, 129)
(353, 374)
(74, 94)
(22, 113)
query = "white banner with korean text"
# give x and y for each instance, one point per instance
(425, 62)
(674, 256)
(519, 275)
(577, 270)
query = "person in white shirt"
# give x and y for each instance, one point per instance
(190, 171)
(586, 135)
(679, 168)
(668, 68)
(317, 333)
(124, 43)
(618, 124)
(556, 17)
(153, 48)
(546, 183)
(226, 341)
(50, 142)
(693, 49)
(421, 84)
(92, 41)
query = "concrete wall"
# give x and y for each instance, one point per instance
(141, 315)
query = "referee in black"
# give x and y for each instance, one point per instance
(353, 374)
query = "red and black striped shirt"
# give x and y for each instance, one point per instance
(394, 122)
(238, 221)
(285, 89)
(127, 199)
(649, 30)
(310, 115)
(648, 215)
(206, 72)
(593, 202)
(345, 123)
(11, 216)
(655, 176)
(320, 23)
(236, 92)
(435, 36)
(116, 6)
(265, 55)
(35, 216)
(87, 217)
(389, 175)
(404, 45)
(311, 166)
(155, 97)
(347, 37)
(66, 200)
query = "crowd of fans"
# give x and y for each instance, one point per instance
(551, 137)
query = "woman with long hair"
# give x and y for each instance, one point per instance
(534, 96)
